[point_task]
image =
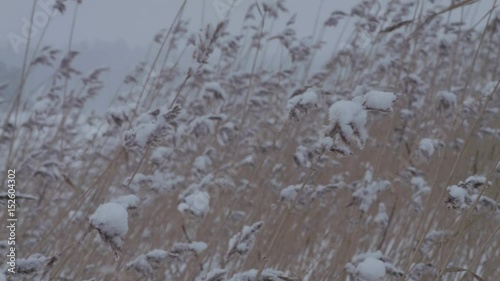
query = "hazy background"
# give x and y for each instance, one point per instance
(119, 33)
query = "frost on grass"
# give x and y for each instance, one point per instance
(241, 243)
(111, 221)
(379, 100)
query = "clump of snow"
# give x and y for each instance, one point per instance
(351, 118)
(214, 89)
(419, 188)
(347, 126)
(146, 264)
(216, 274)
(301, 103)
(447, 99)
(427, 145)
(464, 194)
(371, 269)
(197, 203)
(366, 195)
(474, 181)
(379, 100)
(128, 201)
(420, 270)
(35, 264)
(302, 156)
(457, 196)
(182, 248)
(151, 128)
(372, 266)
(382, 218)
(267, 274)
(290, 192)
(111, 221)
(202, 163)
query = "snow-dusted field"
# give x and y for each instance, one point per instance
(240, 156)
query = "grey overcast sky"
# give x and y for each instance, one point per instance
(137, 21)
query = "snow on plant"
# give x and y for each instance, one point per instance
(419, 188)
(447, 101)
(347, 126)
(347, 119)
(267, 274)
(301, 101)
(127, 201)
(303, 156)
(464, 194)
(111, 221)
(152, 128)
(180, 249)
(422, 271)
(234, 154)
(197, 203)
(146, 264)
(159, 181)
(213, 90)
(379, 101)
(434, 238)
(35, 266)
(372, 266)
(242, 242)
(427, 146)
(216, 274)
(382, 219)
(365, 193)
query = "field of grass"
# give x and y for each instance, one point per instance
(380, 164)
